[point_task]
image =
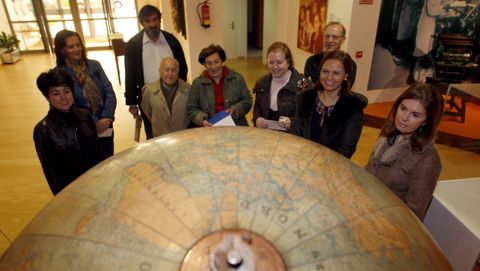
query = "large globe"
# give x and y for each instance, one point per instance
(150, 207)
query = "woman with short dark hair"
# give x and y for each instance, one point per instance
(217, 89)
(405, 158)
(66, 139)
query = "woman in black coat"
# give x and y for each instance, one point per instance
(330, 113)
(275, 92)
(66, 139)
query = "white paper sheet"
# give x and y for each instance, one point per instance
(226, 121)
(106, 133)
(274, 125)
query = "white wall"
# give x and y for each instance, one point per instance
(197, 36)
(270, 13)
(363, 16)
(276, 22)
(363, 30)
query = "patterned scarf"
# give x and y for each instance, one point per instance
(388, 151)
(91, 93)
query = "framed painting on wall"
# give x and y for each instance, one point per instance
(312, 17)
(178, 16)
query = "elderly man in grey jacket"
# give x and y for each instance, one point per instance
(164, 100)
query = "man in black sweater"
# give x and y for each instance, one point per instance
(333, 38)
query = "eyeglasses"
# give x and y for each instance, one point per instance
(334, 37)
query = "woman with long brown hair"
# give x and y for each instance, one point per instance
(92, 89)
(404, 157)
(330, 113)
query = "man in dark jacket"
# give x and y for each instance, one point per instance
(333, 38)
(143, 54)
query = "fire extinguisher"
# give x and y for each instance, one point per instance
(203, 11)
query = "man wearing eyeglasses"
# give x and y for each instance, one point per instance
(333, 38)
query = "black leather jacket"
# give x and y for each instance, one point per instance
(342, 130)
(285, 97)
(67, 145)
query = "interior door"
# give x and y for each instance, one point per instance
(235, 28)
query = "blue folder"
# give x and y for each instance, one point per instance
(218, 117)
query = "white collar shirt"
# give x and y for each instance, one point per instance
(152, 55)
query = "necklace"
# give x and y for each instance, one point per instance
(328, 99)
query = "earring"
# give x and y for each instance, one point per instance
(420, 129)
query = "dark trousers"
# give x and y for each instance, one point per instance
(147, 125)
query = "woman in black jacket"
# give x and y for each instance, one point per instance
(66, 139)
(275, 92)
(330, 113)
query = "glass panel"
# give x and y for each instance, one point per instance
(125, 26)
(95, 32)
(29, 36)
(23, 19)
(124, 17)
(91, 9)
(57, 10)
(20, 10)
(93, 22)
(123, 8)
(58, 16)
(56, 26)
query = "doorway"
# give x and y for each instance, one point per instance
(243, 28)
(35, 22)
(255, 28)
